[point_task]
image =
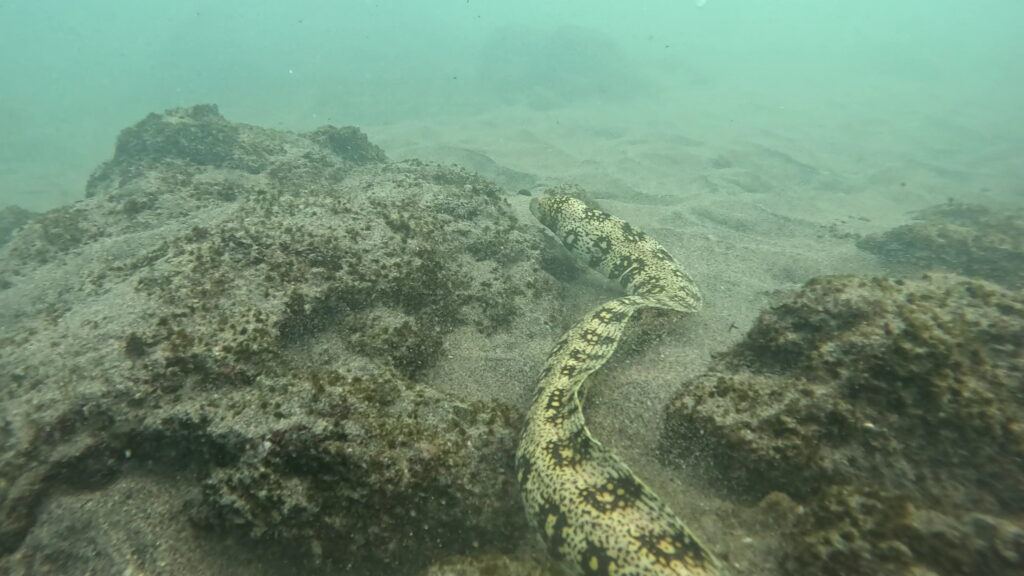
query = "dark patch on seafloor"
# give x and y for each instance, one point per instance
(956, 237)
(253, 310)
(891, 411)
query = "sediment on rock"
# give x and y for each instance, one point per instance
(890, 409)
(261, 309)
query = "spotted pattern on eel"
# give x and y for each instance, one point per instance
(594, 514)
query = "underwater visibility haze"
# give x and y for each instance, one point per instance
(321, 288)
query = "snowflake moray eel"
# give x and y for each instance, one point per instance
(595, 516)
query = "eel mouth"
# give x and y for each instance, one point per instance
(542, 208)
(535, 209)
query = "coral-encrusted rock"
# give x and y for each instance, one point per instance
(261, 309)
(962, 238)
(909, 390)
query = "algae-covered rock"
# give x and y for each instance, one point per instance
(12, 218)
(379, 469)
(954, 237)
(259, 312)
(199, 138)
(876, 404)
(350, 143)
(198, 135)
(492, 565)
(861, 531)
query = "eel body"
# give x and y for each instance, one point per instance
(595, 515)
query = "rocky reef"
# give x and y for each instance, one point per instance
(239, 354)
(888, 411)
(253, 313)
(12, 218)
(966, 239)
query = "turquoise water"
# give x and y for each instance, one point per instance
(74, 74)
(789, 153)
